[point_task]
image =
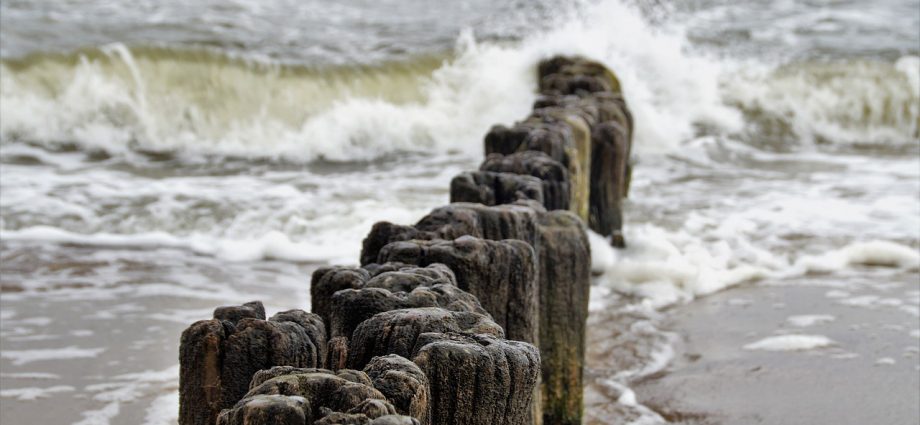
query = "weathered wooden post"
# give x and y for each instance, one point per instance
(218, 357)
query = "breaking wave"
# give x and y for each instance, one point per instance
(857, 102)
(118, 99)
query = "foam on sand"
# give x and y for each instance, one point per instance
(872, 253)
(790, 343)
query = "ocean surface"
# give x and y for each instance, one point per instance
(161, 158)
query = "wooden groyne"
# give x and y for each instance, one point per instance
(474, 315)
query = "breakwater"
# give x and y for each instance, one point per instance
(474, 315)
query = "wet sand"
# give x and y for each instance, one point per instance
(870, 375)
(97, 341)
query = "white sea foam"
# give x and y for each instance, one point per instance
(885, 361)
(290, 215)
(44, 337)
(54, 234)
(872, 253)
(30, 375)
(163, 410)
(790, 343)
(836, 293)
(102, 416)
(272, 245)
(742, 239)
(35, 321)
(33, 393)
(603, 255)
(856, 102)
(876, 301)
(910, 309)
(642, 415)
(672, 267)
(667, 268)
(21, 357)
(128, 388)
(804, 321)
(150, 376)
(180, 316)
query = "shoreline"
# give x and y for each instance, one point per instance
(681, 392)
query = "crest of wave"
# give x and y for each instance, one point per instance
(119, 102)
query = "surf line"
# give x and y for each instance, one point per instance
(475, 315)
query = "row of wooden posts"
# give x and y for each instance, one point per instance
(474, 315)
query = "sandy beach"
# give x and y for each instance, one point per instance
(803, 352)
